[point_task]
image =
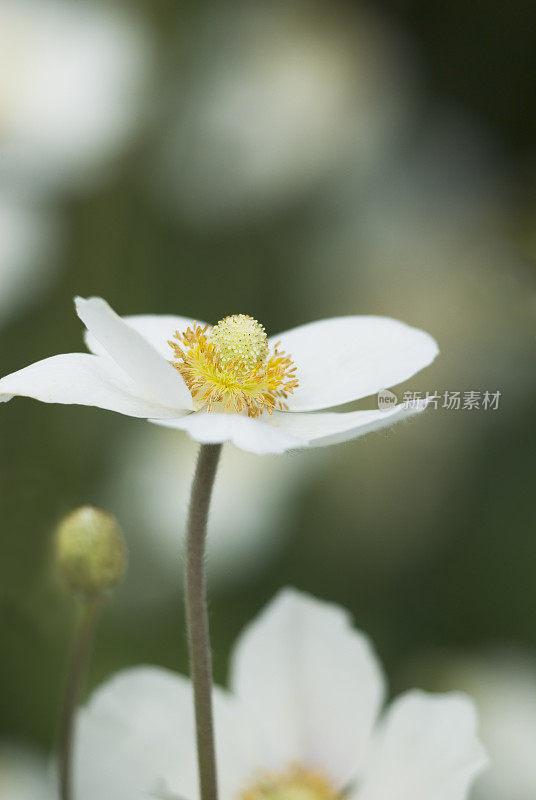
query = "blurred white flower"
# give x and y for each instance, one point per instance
(149, 489)
(274, 97)
(503, 686)
(23, 773)
(301, 720)
(230, 383)
(73, 78)
(28, 246)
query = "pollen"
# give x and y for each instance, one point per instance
(294, 783)
(240, 337)
(231, 368)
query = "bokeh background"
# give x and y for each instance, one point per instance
(292, 161)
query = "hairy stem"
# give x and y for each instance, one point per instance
(73, 688)
(197, 617)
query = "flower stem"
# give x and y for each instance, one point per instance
(197, 617)
(73, 688)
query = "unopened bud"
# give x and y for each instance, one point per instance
(90, 551)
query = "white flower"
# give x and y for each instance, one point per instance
(503, 684)
(273, 98)
(258, 408)
(73, 76)
(301, 721)
(28, 243)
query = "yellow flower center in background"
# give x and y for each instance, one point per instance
(229, 367)
(295, 783)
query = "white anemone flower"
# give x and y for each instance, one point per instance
(229, 382)
(274, 98)
(73, 80)
(301, 722)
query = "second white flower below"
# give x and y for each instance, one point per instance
(301, 723)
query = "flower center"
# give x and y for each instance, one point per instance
(240, 337)
(294, 783)
(229, 368)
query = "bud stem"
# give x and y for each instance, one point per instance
(197, 617)
(76, 675)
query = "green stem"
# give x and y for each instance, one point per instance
(78, 666)
(195, 594)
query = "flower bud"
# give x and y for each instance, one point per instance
(90, 551)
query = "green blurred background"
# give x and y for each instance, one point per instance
(295, 162)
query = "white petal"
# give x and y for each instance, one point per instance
(346, 358)
(325, 427)
(239, 748)
(155, 376)
(427, 749)
(157, 329)
(311, 683)
(248, 434)
(136, 739)
(80, 379)
(76, 77)
(134, 735)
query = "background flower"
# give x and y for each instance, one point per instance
(74, 79)
(502, 681)
(306, 693)
(272, 99)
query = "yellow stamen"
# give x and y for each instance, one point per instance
(228, 368)
(295, 783)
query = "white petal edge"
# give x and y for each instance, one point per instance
(136, 739)
(325, 428)
(346, 358)
(80, 379)
(427, 748)
(311, 683)
(157, 329)
(157, 380)
(251, 435)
